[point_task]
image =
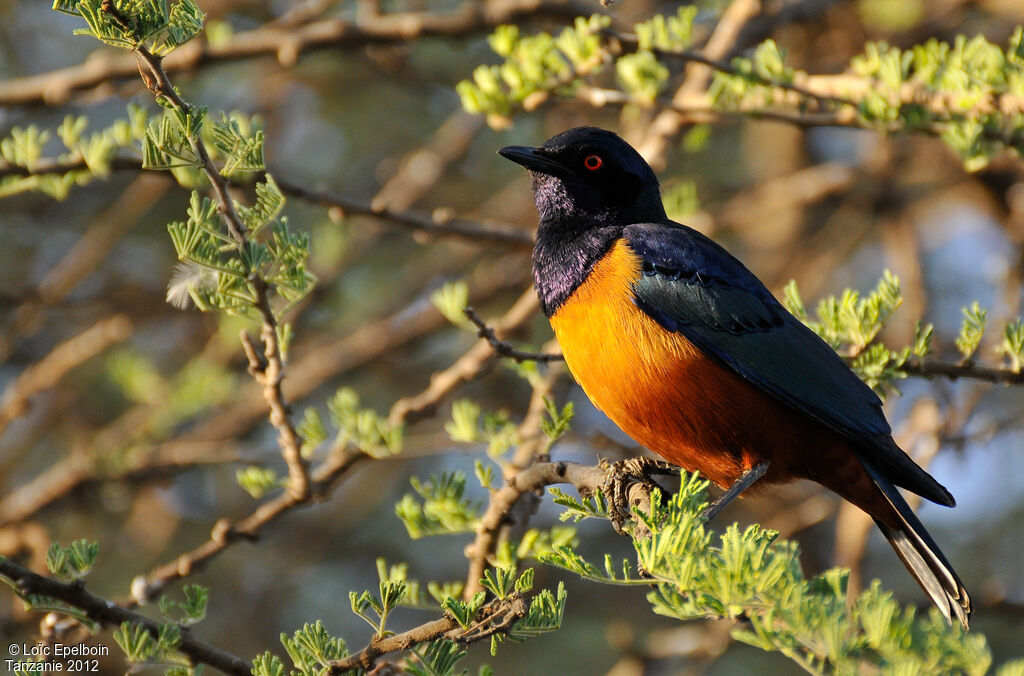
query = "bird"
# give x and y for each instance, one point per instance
(688, 352)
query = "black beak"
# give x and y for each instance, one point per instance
(534, 159)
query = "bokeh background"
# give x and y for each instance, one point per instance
(166, 390)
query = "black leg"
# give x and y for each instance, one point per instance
(745, 481)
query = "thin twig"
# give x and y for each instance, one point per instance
(503, 348)
(930, 368)
(470, 366)
(438, 224)
(225, 533)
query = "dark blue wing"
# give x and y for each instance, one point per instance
(695, 287)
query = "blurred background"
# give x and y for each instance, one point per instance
(133, 437)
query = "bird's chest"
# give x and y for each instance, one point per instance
(653, 383)
(630, 367)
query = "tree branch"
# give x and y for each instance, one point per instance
(46, 373)
(286, 43)
(930, 368)
(268, 371)
(503, 349)
(107, 614)
(438, 224)
(466, 368)
(494, 617)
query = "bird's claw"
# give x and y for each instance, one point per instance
(621, 475)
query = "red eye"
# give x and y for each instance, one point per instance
(593, 162)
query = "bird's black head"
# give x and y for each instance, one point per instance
(589, 185)
(590, 175)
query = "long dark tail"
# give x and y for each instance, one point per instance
(920, 554)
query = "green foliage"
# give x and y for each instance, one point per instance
(438, 659)
(592, 507)
(311, 650)
(503, 580)
(24, 146)
(192, 609)
(557, 422)
(753, 81)
(1012, 345)
(534, 67)
(221, 268)
(972, 330)
(450, 299)
(469, 424)
(394, 589)
(442, 506)
(544, 615)
(363, 428)
(1013, 668)
(74, 562)
(953, 90)
(156, 25)
(312, 430)
(667, 33)
(268, 664)
(244, 150)
(141, 647)
(751, 576)
(850, 324)
(680, 199)
(484, 474)
(642, 75)
(464, 612)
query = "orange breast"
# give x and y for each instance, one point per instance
(663, 391)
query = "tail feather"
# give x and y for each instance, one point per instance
(920, 554)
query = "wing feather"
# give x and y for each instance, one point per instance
(692, 286)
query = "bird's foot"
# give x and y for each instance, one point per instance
(628, 485)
